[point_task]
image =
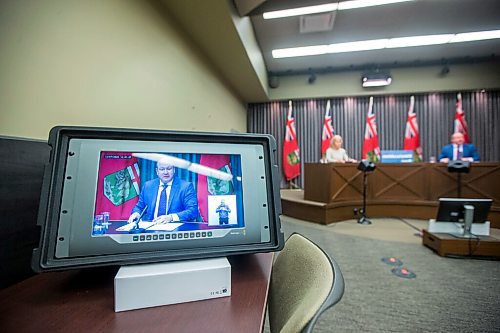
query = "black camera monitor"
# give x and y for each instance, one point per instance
(453, 209)
(123, 196)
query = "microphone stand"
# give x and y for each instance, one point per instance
(459, 167)
(136, 229)
(363, 219)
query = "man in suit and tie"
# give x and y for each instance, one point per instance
(458, 150)
(166, 198)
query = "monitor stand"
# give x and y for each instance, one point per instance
(468, 219)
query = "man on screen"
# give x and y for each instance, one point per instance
(166, 198)
(458, 150)
(223, 210)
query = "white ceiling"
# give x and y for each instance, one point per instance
(414, 18)
(215, 28)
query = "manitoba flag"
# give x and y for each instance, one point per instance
(371, 150)
(412, 135)
(212, 186)
(291, 159)
(327, 131)
(118, 184)
(460, 123)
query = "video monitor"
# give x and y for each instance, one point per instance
(123, 196)
(452, 209)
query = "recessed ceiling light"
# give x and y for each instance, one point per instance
(300, 11)
(366, 3)
(374, 44)
(300, 51)
(377, 44)
(418, 40)
(477, 35)
(330, 7)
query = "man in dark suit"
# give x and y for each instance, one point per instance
(457, 150)
(166, 198)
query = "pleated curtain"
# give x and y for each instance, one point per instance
(435, 116)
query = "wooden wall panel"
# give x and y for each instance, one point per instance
(398, 190)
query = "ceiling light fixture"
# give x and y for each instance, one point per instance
(393, 43)
(344, 5)
(330, 7)
(375, 80)
(378, 44)
(473, 36)
(300, 11)
(374, 44)
(300, 51)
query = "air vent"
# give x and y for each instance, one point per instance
(317, 23)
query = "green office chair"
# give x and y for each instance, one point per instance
(305, 282)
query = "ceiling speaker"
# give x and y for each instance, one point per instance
(274, 82)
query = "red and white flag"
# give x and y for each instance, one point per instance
(291, 159)
(460, 123)
(371, 149)
(327, 131)
(412, 135)
(208, 186)
(118, 184)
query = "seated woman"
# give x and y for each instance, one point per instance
(335, 153)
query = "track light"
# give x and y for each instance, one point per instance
(445, 70)
(274, 81)
(375, 80)
(312, 78)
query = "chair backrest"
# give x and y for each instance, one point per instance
(305, 282)
(22, 164)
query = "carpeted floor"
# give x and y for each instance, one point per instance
(447, 295)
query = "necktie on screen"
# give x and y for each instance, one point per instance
(162, 205)
(459, 153)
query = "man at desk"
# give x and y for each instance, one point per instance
(458, 150)
(166, 198)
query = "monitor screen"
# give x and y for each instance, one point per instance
(452, 209)
(130, 196)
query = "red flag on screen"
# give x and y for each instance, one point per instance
(212, 186)
(371, 149)
(412, 135)
(291, 159)
(327, 131)
(118, 184)
(460, 123)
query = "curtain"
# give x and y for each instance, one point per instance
(148, 169)
(435, 116)
(235, 161)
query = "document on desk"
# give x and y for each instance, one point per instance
(151, 226)
(165, 226)
(142, 225)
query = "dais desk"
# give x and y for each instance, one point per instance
(332, 191)
(83, 301)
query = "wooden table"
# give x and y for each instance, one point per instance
(82, 301)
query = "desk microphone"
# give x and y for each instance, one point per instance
(135, 229)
